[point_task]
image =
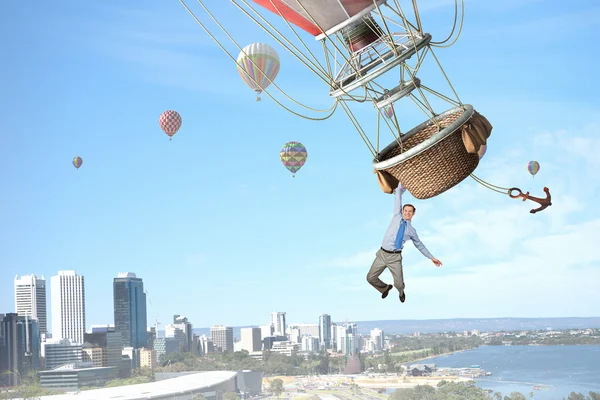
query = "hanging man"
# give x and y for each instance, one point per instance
(390, 253)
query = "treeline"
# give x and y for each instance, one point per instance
(467, 390)
(435, 344)
(274, 364)
(566, 340)
(271, 364)
(404, 350)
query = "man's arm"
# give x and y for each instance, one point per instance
(398, 199)
(419, 245)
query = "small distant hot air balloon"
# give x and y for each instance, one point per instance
(389, 111)
(77, 161)
(533, 167)
(170, 122)
(482, 151)
(258, 65)
(293, 156)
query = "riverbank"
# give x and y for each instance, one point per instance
(448, 353)
(335, 382)
(406, 382)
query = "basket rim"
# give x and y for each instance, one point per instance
(427, 143)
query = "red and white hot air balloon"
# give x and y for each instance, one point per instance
(170, 122)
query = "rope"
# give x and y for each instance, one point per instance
(332, 108)
(488, 185)
(315, 64)
(417, 17)
(462, 17)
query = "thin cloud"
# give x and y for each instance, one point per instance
(498, 258)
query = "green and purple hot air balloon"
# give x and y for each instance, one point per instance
(482, 151)
(258, 65)
(77, 161)
(293, 156)
(533, 167)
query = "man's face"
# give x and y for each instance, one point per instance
(407, 213)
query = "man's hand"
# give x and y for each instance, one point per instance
(437, 262)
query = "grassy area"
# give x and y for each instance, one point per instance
(400, 353)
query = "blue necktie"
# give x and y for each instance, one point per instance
(400, 235)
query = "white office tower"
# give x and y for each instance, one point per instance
(310, 343)
(278, 322)
(222, 338)
(377, 339)
(341, 333)
(250, 339)
(305, 329)
(68, 306)
(266, 330)
(30, 299)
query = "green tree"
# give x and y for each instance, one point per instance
(29, 387)
(593, 396)
(516, 396)
(276, 386)
(231, 396)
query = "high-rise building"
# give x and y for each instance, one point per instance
(19, 349)
(266, 330)
(250, 339)
(58, 352)
(130, 309)
(30, 299)
(325, 331)
(67, 291)
(378, 339)
(181, 323)
(306, 329)
(222, 337)
(111, 343)
(278, 322)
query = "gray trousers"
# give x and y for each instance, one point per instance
(393, 261)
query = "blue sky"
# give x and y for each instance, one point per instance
(217, 227)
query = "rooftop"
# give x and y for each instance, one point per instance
(152, 390)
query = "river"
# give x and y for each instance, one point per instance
(558, 369)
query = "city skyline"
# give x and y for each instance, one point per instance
(271, 316)
(214, 214)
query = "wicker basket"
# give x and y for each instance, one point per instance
(432, 160)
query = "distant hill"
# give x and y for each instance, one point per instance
(458, 325)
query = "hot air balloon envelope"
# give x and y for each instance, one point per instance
(389, 111)
(293, 156)
(482, 151)
(533, 167)
(318, 16)
(170, 122)
(258, 65)
(77, 161)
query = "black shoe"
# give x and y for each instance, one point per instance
(402, 296)
(384, 294)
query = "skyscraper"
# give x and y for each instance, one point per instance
(251, 339)
(30, 299)
(222, 337)
(130, 309)
(67, 291)
(19, 349)
(278, 322)
(325, 331)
